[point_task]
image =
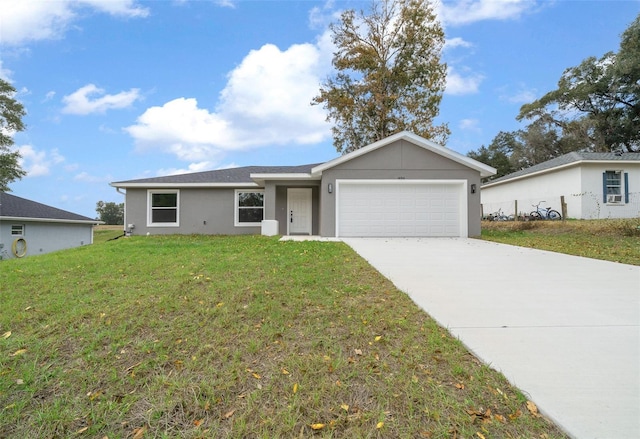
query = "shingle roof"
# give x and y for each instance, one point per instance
(231, 175)
(16, 207)
(568, 159)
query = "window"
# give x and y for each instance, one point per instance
(615, 187)
(17, 230)
(249, 208)
(163, 208)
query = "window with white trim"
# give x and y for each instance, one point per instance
(163, 208)
(17, 229)
(249, 208)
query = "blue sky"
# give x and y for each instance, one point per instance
(124, 89)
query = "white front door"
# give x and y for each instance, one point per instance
(299, 211)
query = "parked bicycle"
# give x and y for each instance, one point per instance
(499, 216)
(544, 213)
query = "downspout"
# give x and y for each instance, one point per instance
(127, 231)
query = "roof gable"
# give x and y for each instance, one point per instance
(17, 207)
(485, 170)
(570, 159)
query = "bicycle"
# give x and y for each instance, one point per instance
(499, 216)
(544, 213)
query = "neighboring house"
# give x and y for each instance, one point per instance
(403, 185)
(594, 185)
(30, 228)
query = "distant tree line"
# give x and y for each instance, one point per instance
(111, 213)
(596, 108)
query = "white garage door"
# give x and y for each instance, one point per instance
(399, 209)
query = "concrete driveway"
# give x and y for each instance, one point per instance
(563, 329)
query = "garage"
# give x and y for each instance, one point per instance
(406, 208)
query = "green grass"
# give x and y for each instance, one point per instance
(611, 240)
(234, 337)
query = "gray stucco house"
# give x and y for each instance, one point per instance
(403, 185)
(30, 228)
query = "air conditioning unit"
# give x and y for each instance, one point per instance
(614, 198)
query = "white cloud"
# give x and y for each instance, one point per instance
(85, 177)
(5, 73)
(266, 101)
(462, 85)
(472, 125)
(452, 43)
(81, 102)
(469, 11)
(522, 97)
(37, 163)
(33, 20)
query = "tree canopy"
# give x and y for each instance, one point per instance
(11, 114)
(110, 212)
(389, 74)
(596, 108)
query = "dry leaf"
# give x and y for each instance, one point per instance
(207, 406)
(285, 371)
(459, 386)
(500, 418)
(198, 422)
(138, 433)
(379, 425)
(344, 407)
(228, 414)
(358, 351)
(317, 426)
(19, 381)
(378, 338)
(82, 430)
(480, 435)
(6, 334)
(533, 408)
(256, 376)
(295, 388)
(18, 352)
(515, 415)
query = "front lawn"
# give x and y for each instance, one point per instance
(610, 240)
(238, 337)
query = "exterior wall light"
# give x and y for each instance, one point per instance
(330, 188)
(473, 188)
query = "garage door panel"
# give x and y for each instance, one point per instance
(411, 209)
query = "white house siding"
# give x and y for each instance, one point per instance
(531, 190)
(44, 237)
(593, 205)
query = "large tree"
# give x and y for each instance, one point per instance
(111, 213)
(11, 114)
(599, 100)
(389, 76)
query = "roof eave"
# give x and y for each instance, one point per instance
(50, 220)
(261, 178)
(126, 185)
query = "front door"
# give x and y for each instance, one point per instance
(299, 211)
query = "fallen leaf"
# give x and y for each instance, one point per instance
(295, 388)
(358, 351)
(256, 376)
(500, 418)
(378, 338)
(6, 334)
(480, 435)
(344, 407)
(317, 426)
(285, 371)
(459, 386)
(139, 432)
(228, 414)
(533, 408)
(207, 406)
(18, 352)
(379, 425)
(515, 415)
(198, 422)
(82, 430)
(19, 381)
